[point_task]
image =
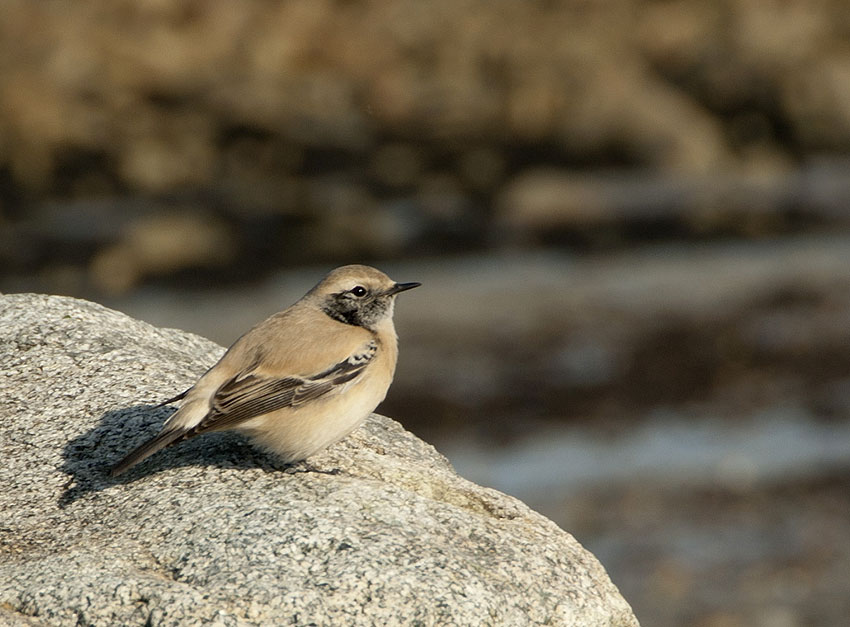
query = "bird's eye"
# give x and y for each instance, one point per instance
(358, 290)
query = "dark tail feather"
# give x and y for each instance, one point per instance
(172, 399)
(169, 436)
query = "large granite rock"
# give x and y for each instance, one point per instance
(216, 532)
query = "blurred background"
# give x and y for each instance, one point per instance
(630, 218)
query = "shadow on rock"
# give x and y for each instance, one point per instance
(90, 456)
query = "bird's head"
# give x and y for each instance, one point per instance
(358, 295)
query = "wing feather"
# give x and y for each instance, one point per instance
(250, 395)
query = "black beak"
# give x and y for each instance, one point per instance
(400, 287)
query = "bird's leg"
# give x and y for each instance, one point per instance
(305, 466)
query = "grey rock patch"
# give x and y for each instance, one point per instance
(379, 531)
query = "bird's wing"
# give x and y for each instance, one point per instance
(252, 394)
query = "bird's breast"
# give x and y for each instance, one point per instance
(295, 433)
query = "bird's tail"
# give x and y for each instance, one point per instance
(142, 452)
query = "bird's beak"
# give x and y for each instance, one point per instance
(400, 287)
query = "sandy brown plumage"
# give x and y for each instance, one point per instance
(303, 378)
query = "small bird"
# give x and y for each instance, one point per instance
(300, 380)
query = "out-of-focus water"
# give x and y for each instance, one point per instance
(555, 464)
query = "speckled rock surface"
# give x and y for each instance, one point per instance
(216, 532)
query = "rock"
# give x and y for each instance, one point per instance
(685, 87)
(157, 244)
(380, 531)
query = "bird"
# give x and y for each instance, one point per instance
(300, 380)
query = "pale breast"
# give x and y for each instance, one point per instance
(296, 433)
